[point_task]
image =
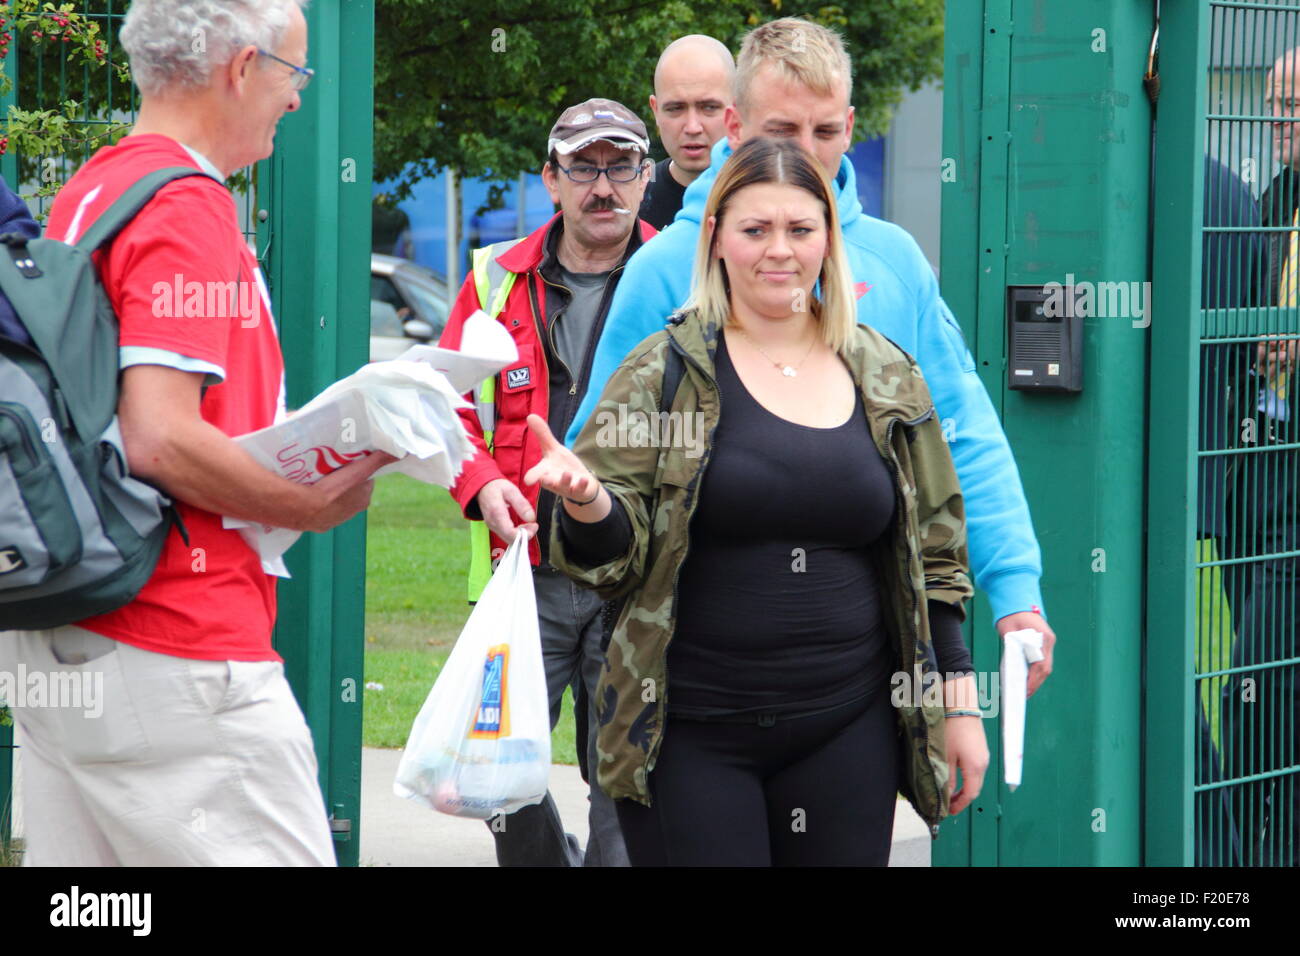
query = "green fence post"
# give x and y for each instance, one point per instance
(1046, 147)
(6, 783)
(1172, 443)
(9, 170)
(318, 184)
(9, 161)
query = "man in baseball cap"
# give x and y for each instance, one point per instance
(580, 126)
(597, 134)
(551, 290)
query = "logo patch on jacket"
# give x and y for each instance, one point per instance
(519, 377)
(11, 559)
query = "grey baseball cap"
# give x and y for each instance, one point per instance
(596, 119)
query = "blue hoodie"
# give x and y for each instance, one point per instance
(899, 297)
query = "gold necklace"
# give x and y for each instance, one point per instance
(790, 371)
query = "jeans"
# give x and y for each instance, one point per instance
(569, 619)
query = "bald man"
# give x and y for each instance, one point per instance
(1279, 202)
(692, 92)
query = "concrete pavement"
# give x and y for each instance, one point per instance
(397, 832)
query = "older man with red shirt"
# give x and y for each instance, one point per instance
(201, 754)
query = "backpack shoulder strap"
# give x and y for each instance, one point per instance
(674, 366)
(115, 218)
(674, 369)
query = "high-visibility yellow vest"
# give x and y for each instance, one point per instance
(1286, 293)
(493, 283)
(1287, 296)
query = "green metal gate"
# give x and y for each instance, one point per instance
(1233, 143)
(1044, 179)
(308, 211)
(1165, 493)
(316, 253)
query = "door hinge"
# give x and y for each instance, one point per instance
(340, 827)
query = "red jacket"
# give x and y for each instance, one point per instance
(526, 391)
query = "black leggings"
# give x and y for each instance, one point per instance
(806, 791)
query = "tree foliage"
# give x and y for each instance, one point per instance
(475, 85)
(67, 78)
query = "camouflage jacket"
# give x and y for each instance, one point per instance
(655, 475)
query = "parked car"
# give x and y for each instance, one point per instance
(409, 305)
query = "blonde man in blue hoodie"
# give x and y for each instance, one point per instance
(794, 79)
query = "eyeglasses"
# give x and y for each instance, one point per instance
(302, 75)
(585, 173)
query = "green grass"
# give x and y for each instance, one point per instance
(416, 558)
(11, 851)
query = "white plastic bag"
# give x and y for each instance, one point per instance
(482, 741)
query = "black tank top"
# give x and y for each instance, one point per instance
(779, 604)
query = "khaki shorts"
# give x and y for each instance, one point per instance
(133, 758)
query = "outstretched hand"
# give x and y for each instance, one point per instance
(562, 472)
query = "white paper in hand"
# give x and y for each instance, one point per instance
(485, 348)
(405, 407)
(1019, 650)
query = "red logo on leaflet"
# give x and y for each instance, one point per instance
(299, 465)
(328, 460)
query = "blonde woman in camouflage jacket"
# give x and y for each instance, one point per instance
(798, 565)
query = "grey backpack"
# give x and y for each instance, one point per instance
(78, 535)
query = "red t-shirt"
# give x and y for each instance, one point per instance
(209, 600)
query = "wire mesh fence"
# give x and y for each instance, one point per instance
(1248, 527)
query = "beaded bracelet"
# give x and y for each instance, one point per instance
(963, 713)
